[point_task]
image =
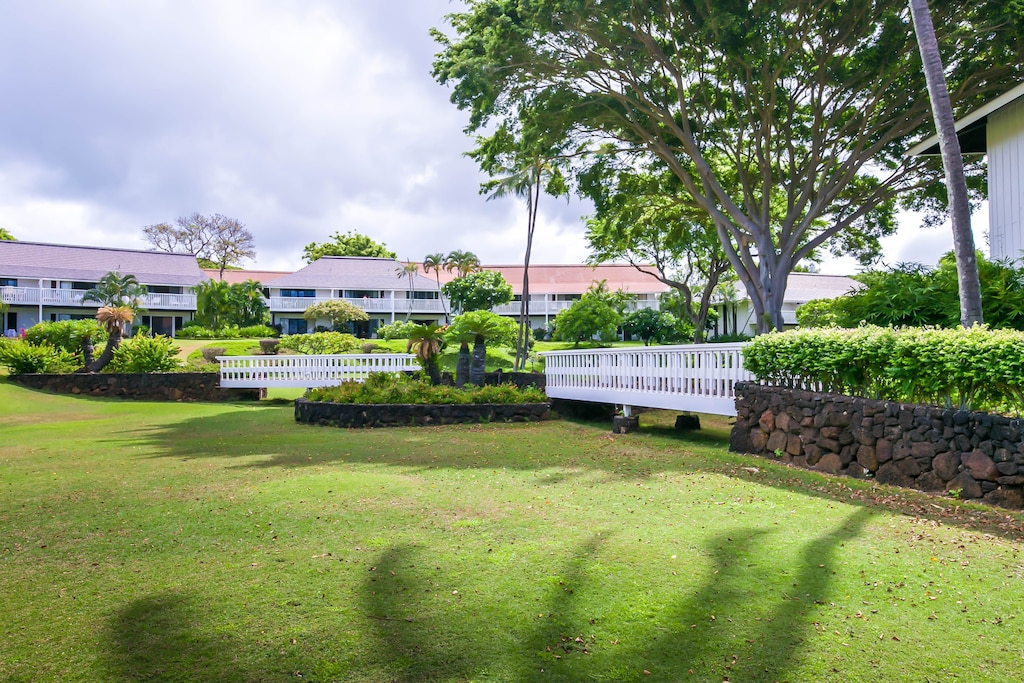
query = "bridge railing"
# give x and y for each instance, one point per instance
(308, 371)
(692, 377)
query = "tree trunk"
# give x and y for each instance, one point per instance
(533, 198)
(462, 366)
(433, 371)
(113, 341)
(87, 350)
(952, 163)
(478, 363)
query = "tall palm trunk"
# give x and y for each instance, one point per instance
(113, 341)
(533, 198)
(462, 365)
(479, 361)
(952, 163)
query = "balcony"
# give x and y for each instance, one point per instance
(286, 304)
(34, 296)
(552, 308)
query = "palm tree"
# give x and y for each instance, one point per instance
(952, 162)
(475, 326)
(426, 341)
(524, 176)
(213, 302)
(116, 319)
(462, 262)
(115, 291)
(436, 262)
(408, 270)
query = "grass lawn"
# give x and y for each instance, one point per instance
(201, 542)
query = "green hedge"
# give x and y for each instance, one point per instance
(977, 369)
(399, 389)
(320, 343)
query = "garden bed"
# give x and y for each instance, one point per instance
(159, 386)
(396, 415)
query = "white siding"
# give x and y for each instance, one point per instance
(1006, 182)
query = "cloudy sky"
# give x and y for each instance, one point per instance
(298, 117)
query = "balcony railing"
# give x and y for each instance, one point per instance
(282, 304)
(34, 296)
(554, 307)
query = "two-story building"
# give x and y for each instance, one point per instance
(40, 282)
(379, 286)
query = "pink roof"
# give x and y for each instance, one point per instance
(572, 279)
(235, 277)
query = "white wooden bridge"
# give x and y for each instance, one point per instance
(696, 378)
(245, 372)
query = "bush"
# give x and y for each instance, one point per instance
(257, 332)
(145, 354)
(979, 368)
(320, 343)
(398, 389)
(66, 334)
(396, 330)
(210, 353)
(141, 331)
(197, 332)
(23, 358)
(539, 333)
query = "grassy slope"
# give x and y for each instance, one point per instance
(143, 541)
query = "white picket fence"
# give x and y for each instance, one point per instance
(243, 372)
(691, 377)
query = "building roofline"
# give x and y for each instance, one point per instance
(929, 146)
(95, 248)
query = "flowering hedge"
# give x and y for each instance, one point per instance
(977, 369)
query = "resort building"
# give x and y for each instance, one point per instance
(41, 282)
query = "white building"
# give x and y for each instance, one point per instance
(41, 282)
(997, 129)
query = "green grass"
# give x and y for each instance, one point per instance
(200, 542)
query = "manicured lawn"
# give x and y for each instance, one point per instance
(192, 542)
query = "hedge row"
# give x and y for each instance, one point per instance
(975, 369)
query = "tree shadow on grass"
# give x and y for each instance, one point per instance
(158, 638)
(693, 637)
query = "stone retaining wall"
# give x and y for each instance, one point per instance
(975, 455)
(163, 386)
(389, 415)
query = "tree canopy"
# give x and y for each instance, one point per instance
(216, 240)
(349, 244)
(338, 312)
(758, 108)
(480, 290)
(6, 236)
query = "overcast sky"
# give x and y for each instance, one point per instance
(298, 117)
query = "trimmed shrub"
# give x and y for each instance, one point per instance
(400, 389)
(197, 332)
(145, 354)
(66, 334)
(257, 332)
(210, 353)
(21, 357)
(396, 330)
(320, 343)
(977, 369)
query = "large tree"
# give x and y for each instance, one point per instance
(479, 291)
(641, 218)
(349, 244)
(811, 104)
(437, 262)
(216, 240)
(6, 236)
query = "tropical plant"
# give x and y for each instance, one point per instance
(69, 335)
(477, 327)
(213, 303)
(652, 325)
(408, 270)
(461, 262)
(952, 163)
(396, 330)
(436, 263)
(426, 341)
(396, 388)
(20, 357)
(593, 315)
(338, 312)
(115, 319)
(521, 167)
(118, 291)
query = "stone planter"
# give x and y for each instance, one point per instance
(971, 455)
(399, 415)
(162, 386)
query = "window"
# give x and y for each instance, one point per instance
(81, 285)
(163, 289)
(361, 294)
(423, 295)
(299, 293)
(8, 282)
